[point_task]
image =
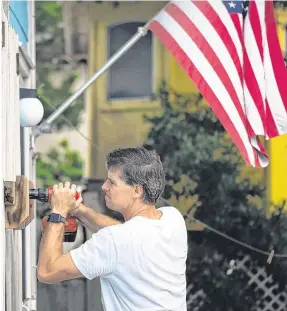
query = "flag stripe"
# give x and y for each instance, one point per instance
(237, 21)
(255, 65)
(160, 29)
(261, 159)
(276, 105)
(274, 52)
(219, 19)
(185, 13)
(271, 128)
(254, 91)
(222, 63)
(254, 88)
(251, 110)
(256, 31)
(232, 53)
(196, 56)
(224, 18)
(260, 5)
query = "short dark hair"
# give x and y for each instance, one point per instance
(140, 166)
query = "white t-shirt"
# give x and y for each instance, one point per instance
(141, 263)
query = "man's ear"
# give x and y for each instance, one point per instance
(138, 191)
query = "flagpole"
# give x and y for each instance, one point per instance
(142, 31)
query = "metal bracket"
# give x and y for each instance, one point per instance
(3, 35)
(17, 64)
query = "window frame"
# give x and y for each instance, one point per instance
(152, 82)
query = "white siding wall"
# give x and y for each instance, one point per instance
(11, 269)
(2, 210)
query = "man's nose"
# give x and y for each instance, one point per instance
(104, 187)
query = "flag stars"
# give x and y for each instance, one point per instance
(232, 4)
(244, 5)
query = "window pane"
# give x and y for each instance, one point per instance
(131, 75)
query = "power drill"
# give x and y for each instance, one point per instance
(71, 226)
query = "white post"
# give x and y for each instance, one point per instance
(30, 280)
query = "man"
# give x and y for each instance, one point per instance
(141, 262)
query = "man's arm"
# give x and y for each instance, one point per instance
(92, 220)
(53, 266)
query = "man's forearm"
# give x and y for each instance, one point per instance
(50, 247)
(94, 221)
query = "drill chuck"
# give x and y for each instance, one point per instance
(39, 194)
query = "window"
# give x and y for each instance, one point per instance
(131, 75)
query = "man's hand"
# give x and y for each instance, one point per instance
(63, 199)
(79, 208)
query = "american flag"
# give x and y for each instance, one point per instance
(231, 51)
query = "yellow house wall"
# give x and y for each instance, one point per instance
(117, 123)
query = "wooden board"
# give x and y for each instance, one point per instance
(18, 216)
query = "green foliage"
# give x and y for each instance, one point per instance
(50, 49)
(49, 29)
(52, 97)
(60, 164)
(201, 162)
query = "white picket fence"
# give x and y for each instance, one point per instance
(271, 298)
